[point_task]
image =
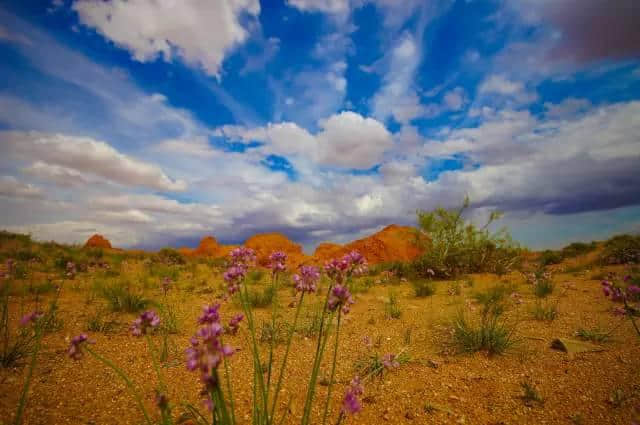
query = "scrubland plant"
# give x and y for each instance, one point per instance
(623, 291)
(423, 287)
(15, 347)
(622, 249)
(456, 246)
(392, 306)
(542, 282)
(491, 333)
(209, 350)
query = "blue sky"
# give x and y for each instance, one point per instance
(159, 122)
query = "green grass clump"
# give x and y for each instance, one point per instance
(529, 393)
(423, 287)
(544, 312)
(593, 334)
(543, 288)
(120, 298)
(491, 333)
(261, 298)
(392, 306)
(99, 322)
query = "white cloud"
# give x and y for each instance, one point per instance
(398, 98)
(455, 99)
(201, 32)
(10, 187)
(326, 6)
(567, 108)
(62, 176)
(348, 139)
(197, 146)
(86, 155)
(500, 84)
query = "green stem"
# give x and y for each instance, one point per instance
(630, 312)
(322, 342)
(340, 418)
(333, 370)
(156, 366)
(126, 380)
(274, 308)
(27, 383)
(284, 360)
(227, 374)
(256, 353)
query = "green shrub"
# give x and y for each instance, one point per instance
(169, 256)
(576, 249)
(550, 257)
(423, 287)
(456, 246)
(622, 249)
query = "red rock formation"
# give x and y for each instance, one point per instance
(97, 241)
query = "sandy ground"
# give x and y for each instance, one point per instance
(436, 386)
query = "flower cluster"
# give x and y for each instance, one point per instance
(390, 361)
(277, 261)
(352, 264)
(307, 280)
(622, 291)
(533, 278)
(31, 318)
(340, 297)
(234, 323)
(75, 347)
(207, 350)
(241, 258)
(351, 403)
(148, 319)
(242, 255)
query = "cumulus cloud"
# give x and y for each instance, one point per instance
(201, 32)
(345, 140)
(348, 139)
(85, 155)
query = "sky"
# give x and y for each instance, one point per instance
(157, 122)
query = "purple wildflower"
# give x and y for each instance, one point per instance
(234, 276)
(242, 255)
(277, 261)
(633, 289)
(207, 351)
(234, 323)
(351, 403)
(209, 314)
(352, 264)
(148, 319)
(390, 361)
(30, 318)
(307, 279)
(75, 347)
(340, 297)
